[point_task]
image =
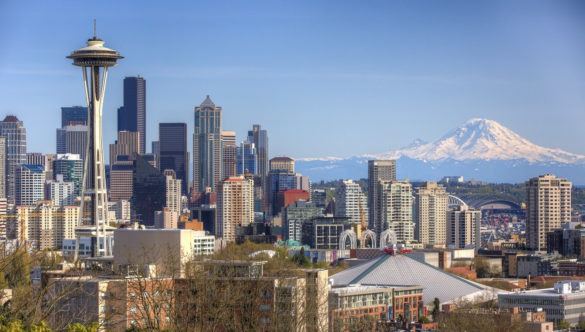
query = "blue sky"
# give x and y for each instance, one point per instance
(325, 78)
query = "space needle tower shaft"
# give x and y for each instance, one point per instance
(94, 60)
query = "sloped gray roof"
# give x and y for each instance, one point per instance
(402, 270)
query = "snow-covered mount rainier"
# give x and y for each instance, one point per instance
(479, 149)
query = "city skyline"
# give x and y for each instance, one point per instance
(318, 63)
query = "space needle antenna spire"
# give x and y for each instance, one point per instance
(94, 60)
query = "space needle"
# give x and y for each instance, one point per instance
(94, 60)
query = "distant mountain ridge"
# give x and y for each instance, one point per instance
(481, 149)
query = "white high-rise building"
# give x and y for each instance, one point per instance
(30, 184)
(235, 206)
(463, 227)
(350, 202)
(173, 192)
(61, 193)
(396, 208)
(548, 206)
(430, 214)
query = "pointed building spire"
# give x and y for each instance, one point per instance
(207, 103)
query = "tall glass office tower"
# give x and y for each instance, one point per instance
(246, 158)
(132, 116)
(173, 151)
(207, 149)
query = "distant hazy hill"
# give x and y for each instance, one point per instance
(479, 149)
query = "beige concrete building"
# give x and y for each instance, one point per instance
(548, 206)
(430, 214)
(396, 208)
(166, 219)
(173, 191)
(45, 225)
(235, 206)
(128, 144)
(463, 227)
(282, 163)
(228, 153)
(165, 250)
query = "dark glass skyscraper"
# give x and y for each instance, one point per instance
(246, 159)
(259, 137)
(132, 116)
(148, 191)
(173, 151)
(74, 115)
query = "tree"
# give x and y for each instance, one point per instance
(563, 324)
(436, 309)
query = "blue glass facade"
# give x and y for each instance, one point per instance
(73, 115)
(246, 159)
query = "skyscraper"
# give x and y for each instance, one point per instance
(430, 213)
(59, 192)
(173, 151)
(207, 152)
(395, 201)
(280, 177)
(121, 177)
(148, 191)
(128, 143)
(259, 137)
(14, 132)
(173, 192)
(228, 151)
(350, 202)
(548, 206)
(132, 116)
(246, 158)
(72, 139)
(74, 115)
(378, 170)
(30, 184)
(70, 166)
(282, 164)
(35, 158)
(235, 206)
(463, 227)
